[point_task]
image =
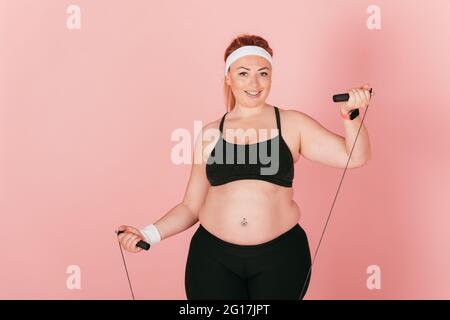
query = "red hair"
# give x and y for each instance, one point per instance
(240, 41)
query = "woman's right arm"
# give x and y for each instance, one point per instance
(185, 214)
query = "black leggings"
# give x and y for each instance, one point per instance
(277, 269)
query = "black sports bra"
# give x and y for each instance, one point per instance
(221, 169)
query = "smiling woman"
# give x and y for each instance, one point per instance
(249, 243)
(244, 70)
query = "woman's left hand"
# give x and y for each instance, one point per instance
(359, 98)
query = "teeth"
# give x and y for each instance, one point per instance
(253, 92)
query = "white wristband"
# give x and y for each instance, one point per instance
(151, 234)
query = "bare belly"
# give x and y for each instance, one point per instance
(268, 210)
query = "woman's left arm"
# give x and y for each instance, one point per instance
(359, 98)
(361, 151)
(319, 144)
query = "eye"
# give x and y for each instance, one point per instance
(265, 73)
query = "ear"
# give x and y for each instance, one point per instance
(227, 78)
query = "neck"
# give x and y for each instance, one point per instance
(241, 111)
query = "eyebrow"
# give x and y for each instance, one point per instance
(249, 69)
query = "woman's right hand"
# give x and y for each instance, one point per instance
(129, 238)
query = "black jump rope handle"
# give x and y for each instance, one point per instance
(141, 244)
(344, 96)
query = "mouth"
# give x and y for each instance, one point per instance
(253, 94)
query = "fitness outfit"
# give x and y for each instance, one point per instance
(277, 269)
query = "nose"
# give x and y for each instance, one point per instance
(254, 81)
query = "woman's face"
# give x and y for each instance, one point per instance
(247, 75)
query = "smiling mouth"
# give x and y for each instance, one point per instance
(253, 93)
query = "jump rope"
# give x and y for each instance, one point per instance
(342, 97)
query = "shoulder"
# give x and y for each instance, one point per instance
(294, 119)
(211, 128)
(209, 133)
(212, 125)
(298, 124)
(205, 140)
(292, 115)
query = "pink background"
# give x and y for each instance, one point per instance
(87, 115)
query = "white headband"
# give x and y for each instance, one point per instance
(246, 51)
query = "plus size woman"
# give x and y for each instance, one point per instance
(249, 243)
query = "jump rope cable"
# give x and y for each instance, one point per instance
(126, 270)
(332, 206)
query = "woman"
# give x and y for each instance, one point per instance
(249, 244)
